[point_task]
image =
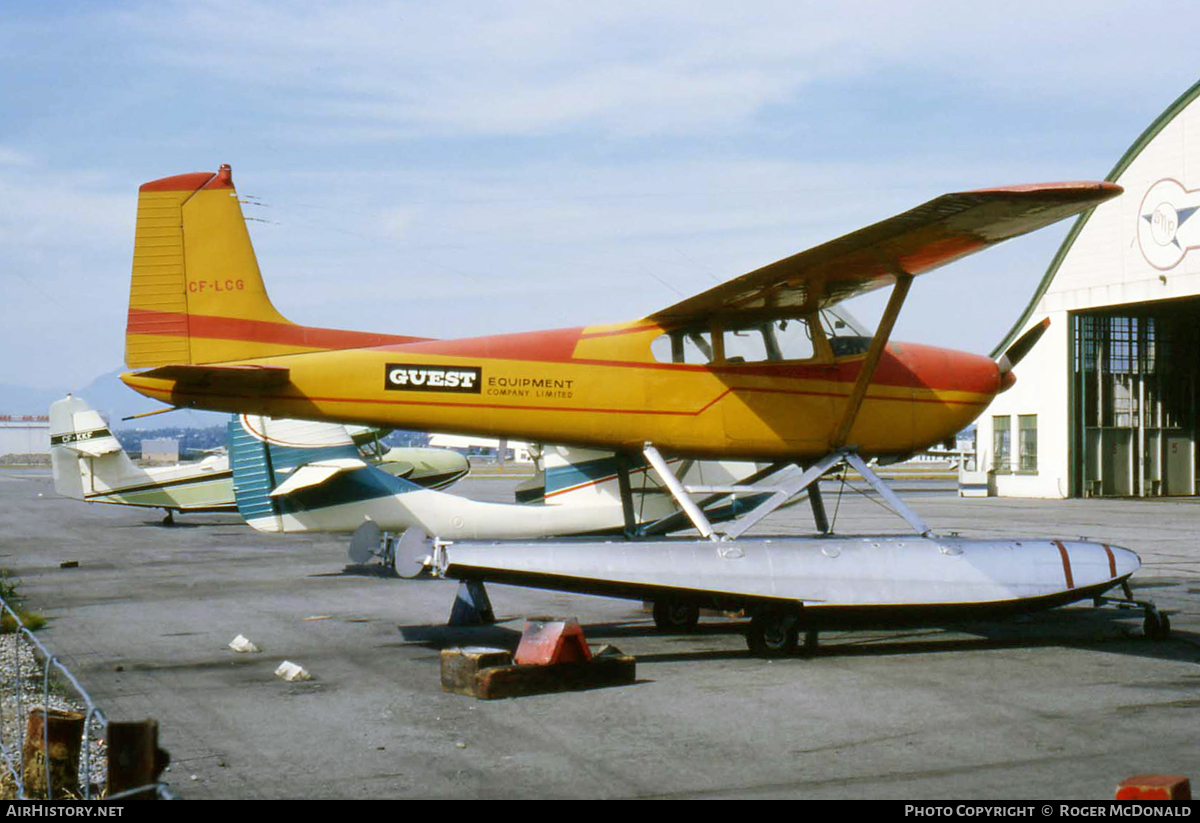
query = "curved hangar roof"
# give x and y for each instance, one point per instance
(1130, 249)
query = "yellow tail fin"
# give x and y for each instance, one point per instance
(196, 295)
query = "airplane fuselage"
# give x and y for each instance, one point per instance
(608, 387)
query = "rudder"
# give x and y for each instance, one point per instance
(196, 294)
(84, 452)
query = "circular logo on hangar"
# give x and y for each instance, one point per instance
(1165, 234)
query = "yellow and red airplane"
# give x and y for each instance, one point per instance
(764, 366)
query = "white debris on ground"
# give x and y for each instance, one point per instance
(290, 672)
(22, 687)
(244, 645)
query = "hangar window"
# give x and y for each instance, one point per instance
(1002, 444)
(1027, 442)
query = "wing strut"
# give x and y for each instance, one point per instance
(715, 494)
(807, 480)
(817, 503)
(887, 494)
(871, 361)
(626, 495)
(678, 492)
(778, 495)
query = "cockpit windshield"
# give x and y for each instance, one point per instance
(845, 334)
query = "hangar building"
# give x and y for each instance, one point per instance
(1106, 403)
(24, 434)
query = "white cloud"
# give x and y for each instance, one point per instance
(643, 68)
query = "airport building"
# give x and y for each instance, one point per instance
(162, 451)
(1106, 403)
(24, 434)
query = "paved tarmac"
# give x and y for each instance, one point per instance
(1060, 705)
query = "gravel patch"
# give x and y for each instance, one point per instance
(22, 688)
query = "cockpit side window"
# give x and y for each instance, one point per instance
(793, 338)
(692, 346)
(817, 335)
(772, 340)
(769, 341)
(753, 344)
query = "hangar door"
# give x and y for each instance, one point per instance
(1134, 405)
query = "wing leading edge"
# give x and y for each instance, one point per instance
(911, 243)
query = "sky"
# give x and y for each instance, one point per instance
(455, 169)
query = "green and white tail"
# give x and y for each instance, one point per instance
(90, 464)
(82, 450)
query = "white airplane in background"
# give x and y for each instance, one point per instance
(299, 476)
(90, 464)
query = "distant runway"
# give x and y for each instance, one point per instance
(1061, 705)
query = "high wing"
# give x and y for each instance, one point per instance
(914, 242)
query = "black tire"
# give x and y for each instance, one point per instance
(675, 617)
(773, 634)
(1156, 626)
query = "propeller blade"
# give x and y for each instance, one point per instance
(1017, 351)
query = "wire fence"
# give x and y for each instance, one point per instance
(30, 671)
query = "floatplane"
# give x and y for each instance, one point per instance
(764, 367)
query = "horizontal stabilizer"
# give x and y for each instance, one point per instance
(314, 474)
(240, 378)
(95, 448)
(398, 468)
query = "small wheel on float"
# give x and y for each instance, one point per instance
(675, 617)
(773, 633)
(1156, 626)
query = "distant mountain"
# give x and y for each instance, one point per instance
(111, 398)
(20, 400)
